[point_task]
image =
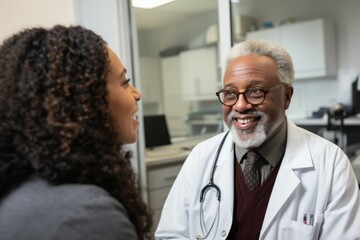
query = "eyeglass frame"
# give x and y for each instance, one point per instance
(237, 93)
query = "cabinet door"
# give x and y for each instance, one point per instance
(311, 45)
(199, 73)
(306, 44)
(170, 75)
(272, 34)
(150, 80)
(176, 108)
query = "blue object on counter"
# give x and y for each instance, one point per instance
(319, 113)
(267, 24)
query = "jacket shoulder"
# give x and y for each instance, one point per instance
(69, 210)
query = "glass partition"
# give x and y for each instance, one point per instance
(179, 65)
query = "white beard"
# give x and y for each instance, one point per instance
(259, 135)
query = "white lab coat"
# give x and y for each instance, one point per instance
(315, 176)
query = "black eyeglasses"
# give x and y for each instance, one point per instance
(253, 96)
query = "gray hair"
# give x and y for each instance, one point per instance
(281, 57)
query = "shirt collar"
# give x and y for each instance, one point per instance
(272, 150)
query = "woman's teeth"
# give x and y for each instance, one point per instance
(135, 116)
(244, 121)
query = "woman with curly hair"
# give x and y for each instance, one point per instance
(66, 109)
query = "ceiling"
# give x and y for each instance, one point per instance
(171, 13)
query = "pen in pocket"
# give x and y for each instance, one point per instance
(308, 219)
(311, 222)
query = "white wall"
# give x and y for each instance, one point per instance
(151, 42)
(16, 15)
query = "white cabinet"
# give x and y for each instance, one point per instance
(150, 80)
(311, 45)
(175, 107)
(160, 179)
(163, 164)
(192, 75)
(271, 34)
(199, 74)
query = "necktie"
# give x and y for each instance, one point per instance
(251, 173)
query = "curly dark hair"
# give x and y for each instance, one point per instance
(54, 116)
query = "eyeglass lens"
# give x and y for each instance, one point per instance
(252, 96)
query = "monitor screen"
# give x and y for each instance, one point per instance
(356, 96)
(156, 131)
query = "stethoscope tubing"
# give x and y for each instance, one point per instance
(211, 181)
(211, 184)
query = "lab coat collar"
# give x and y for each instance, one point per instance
(297, 156)
(297, 152)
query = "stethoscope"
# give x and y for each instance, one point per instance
(204, 190)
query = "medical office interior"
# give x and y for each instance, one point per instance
(178, 52)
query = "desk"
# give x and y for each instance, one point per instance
(162, 166)
(350, 121)
(351, 126)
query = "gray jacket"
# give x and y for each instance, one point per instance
(37, 210)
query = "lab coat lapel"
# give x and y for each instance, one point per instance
(296, 156)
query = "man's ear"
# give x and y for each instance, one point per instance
(289, 90)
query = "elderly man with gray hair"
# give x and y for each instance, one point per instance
(264, 178)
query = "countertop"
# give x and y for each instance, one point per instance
(175, 152)
(352, 120)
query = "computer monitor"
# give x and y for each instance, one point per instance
(156, 131)
(356, 96)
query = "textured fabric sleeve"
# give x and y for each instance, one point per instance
(94, 215)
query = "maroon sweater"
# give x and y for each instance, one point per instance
(250, 207)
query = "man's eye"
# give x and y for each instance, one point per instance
(256, 92)
(229, 94)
